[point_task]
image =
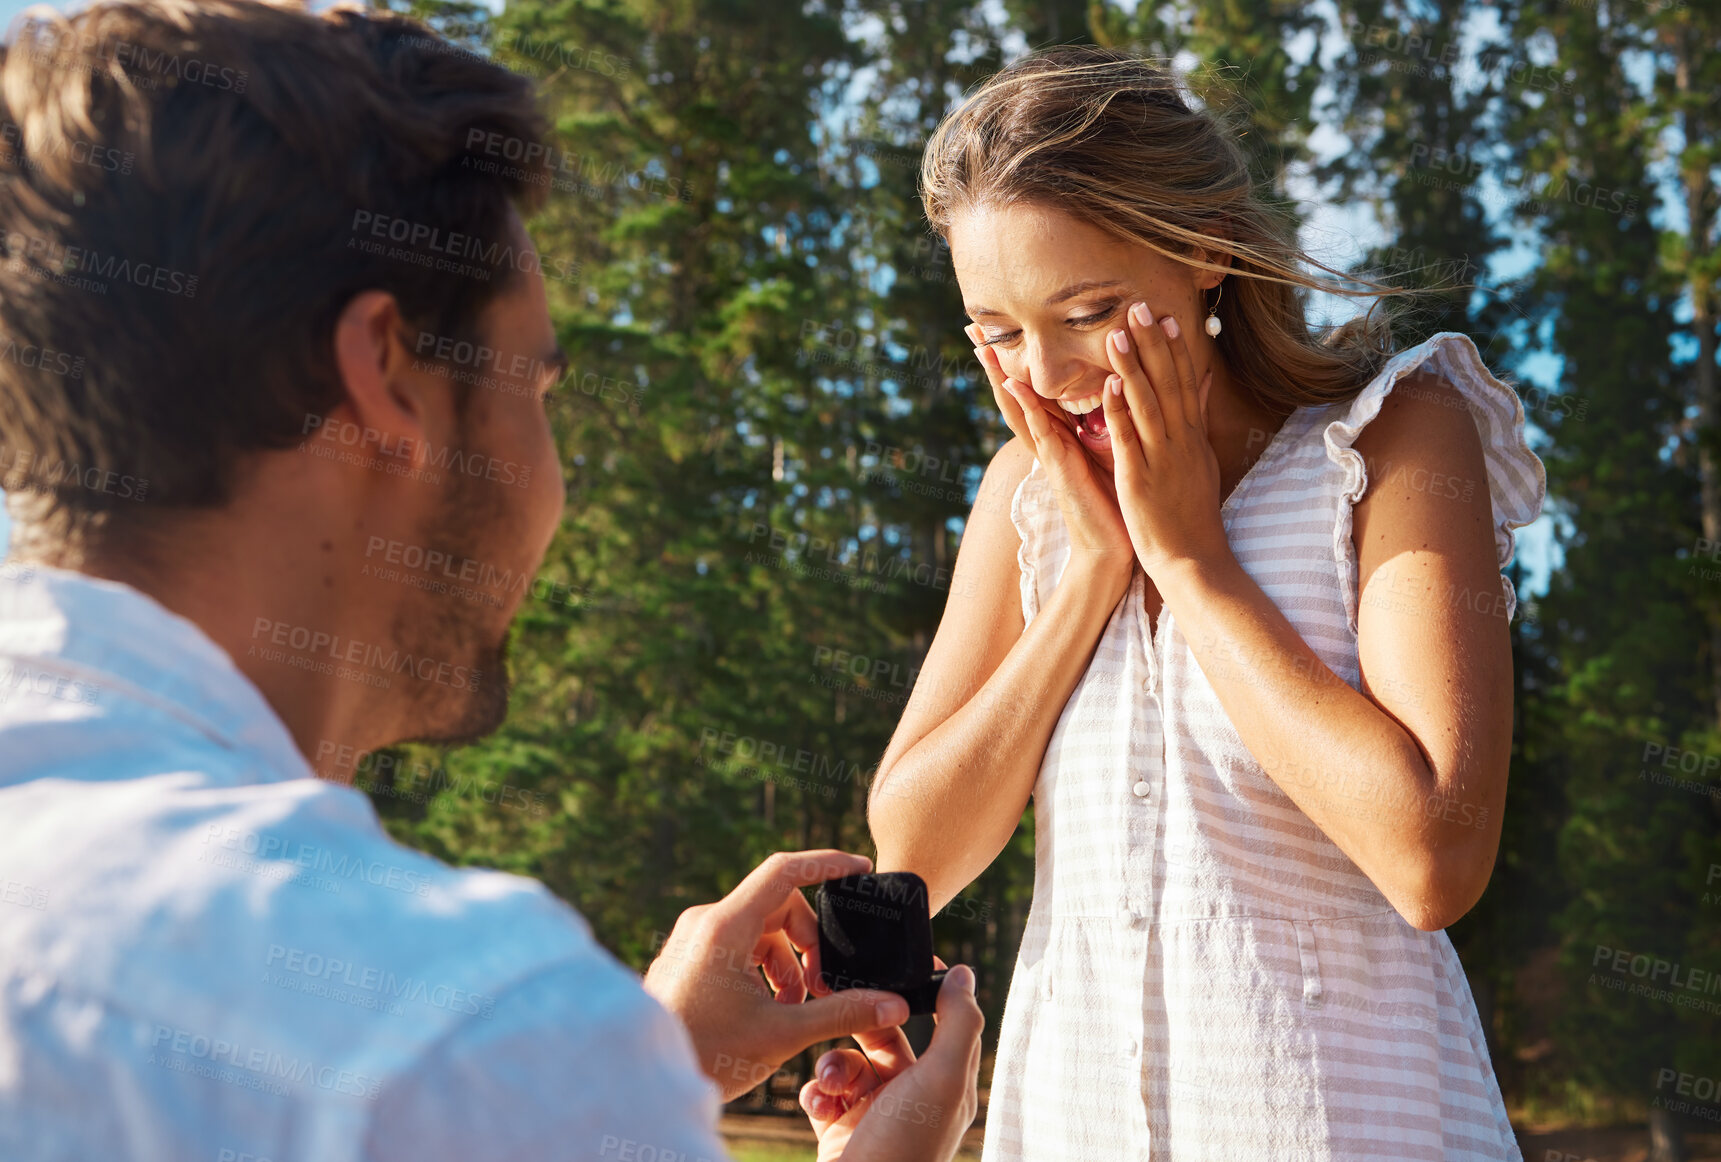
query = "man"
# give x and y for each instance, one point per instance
(273, 352)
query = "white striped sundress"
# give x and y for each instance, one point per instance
(1204, 974)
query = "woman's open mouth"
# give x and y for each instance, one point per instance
(1088, 418)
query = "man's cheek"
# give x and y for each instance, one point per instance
(540, 482)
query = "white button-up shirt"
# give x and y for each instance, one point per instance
(208, 954)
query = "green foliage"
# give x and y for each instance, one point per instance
(1614, 680)
(773, 431)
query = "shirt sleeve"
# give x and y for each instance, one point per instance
(577, 1062)
(1517, 480)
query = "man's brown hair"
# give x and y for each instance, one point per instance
(190, 194)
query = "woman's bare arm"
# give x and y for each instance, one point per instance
(1407, 776)
(959, 770)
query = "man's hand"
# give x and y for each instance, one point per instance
(884, 1106)
(708, 974)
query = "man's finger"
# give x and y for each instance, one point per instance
(842, 1014)
(813, 969)
(956, 1040)
(887, 1049)
(845, 1073)
(798, 922)
(768, 886)
(782, 968)
(822, 1109)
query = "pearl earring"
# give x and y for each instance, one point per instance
(1213, 324)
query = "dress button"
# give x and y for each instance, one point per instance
(1142, 790)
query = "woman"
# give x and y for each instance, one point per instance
(1240, 629)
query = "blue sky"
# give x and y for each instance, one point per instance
(11, 8)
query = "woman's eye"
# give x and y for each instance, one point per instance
(1004, 338)
(1098, 317)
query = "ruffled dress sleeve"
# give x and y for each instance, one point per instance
(1045, 546)
(1517, 480)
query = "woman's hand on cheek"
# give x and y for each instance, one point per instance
(1085, 495)
(1164, 467)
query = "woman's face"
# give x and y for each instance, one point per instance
(1046, 290)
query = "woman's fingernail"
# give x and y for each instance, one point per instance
(1169, 326)
(1140, 313)
(1120, 339)
(1115, 385)
(828, 1075)
(964, 978)
(892, 1012)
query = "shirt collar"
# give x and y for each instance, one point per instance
(135, 650)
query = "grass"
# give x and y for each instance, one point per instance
(745, 1151)
(753, 1150)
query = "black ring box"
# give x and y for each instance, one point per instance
(875, 933)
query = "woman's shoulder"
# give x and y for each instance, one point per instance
(1441, 392)
(1438, 420)
(1015, 507)
(1446, 370)
(1422, 401)
(1424, 425)
(1011, 463)
(1000, 489)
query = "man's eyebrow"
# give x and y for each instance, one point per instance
(1069, 292)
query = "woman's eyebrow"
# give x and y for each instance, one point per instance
(1069, 292)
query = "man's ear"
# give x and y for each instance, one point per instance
(394, 406)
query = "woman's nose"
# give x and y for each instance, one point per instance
(1051, 368)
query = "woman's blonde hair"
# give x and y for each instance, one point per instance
(1108, 138)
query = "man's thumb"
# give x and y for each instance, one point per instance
(960, 1020)
(847, 1012)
